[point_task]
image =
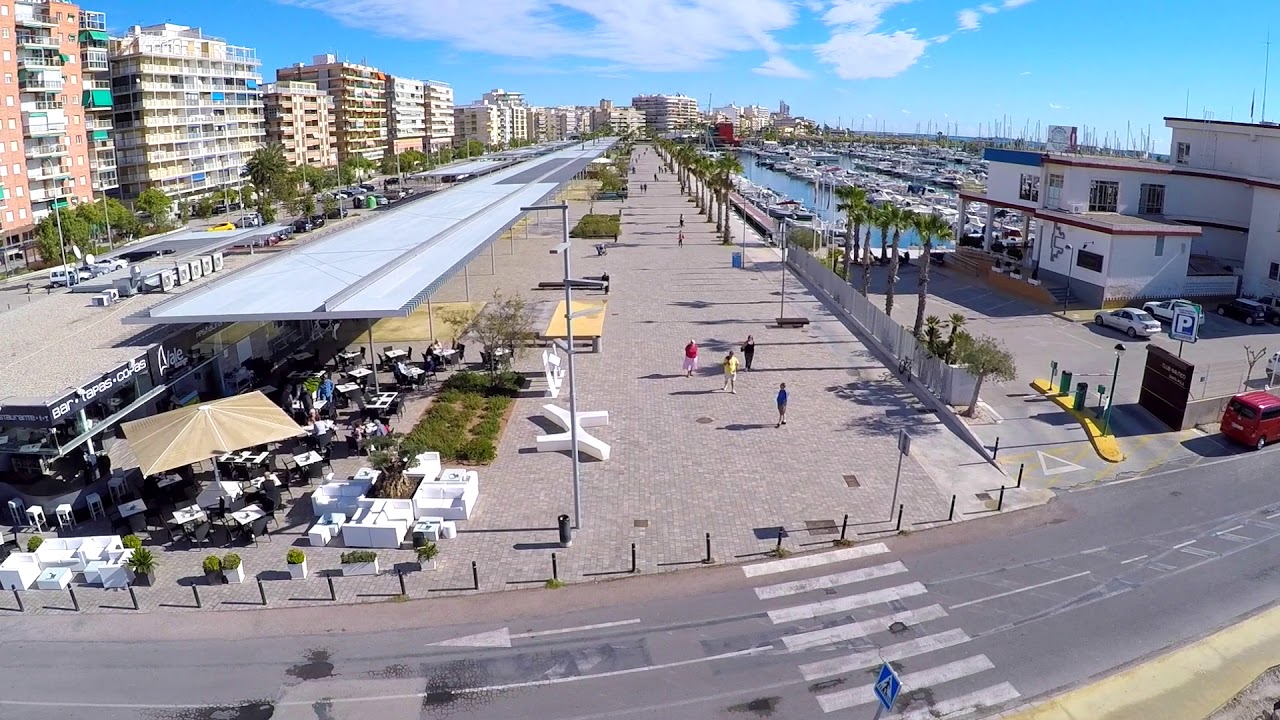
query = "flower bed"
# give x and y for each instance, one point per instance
(597, 226)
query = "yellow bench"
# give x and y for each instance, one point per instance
(585, 327)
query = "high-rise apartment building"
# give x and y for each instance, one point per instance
(477, 122)
(406, 114)
(784, 109)
(360, 102)
(300, 118)
(665, 113)
(95, 79)
(438, 106)
(513, 118)
(188, 110)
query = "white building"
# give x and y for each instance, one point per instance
(665, 113)
(438, 106)
(1205, 223)
(406, 114)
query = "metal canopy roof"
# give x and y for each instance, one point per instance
(387, 266)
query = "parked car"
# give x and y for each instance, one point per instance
(102, 267)
(1272, 304)
(1252, 418)
(1163, 310)
(368, 187)
(382, 199)
(317, 220)
(302, 225)
(340, 194)
(67, 275)
(1248, 312)
(250, 220)
(1131, 321)
(337, 213)
(221, 227)
(1273, 365)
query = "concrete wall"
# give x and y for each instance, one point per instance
(1229, 246)
(1204, 412)
(1003, 180)
(1209, 200)
(1136, 271)
(1236, 149)
(1263, 247)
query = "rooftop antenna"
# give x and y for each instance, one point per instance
(1266, 72)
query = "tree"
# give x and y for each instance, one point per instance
(727, 166)
(851, 200)
(984, 357)
(413, 160)
(269, 171)
(1251, 358)
(155, 203)
(505, 322)
(899, 220)
(444, 155)
(316, 179)
(204, 207)
(389, 165)
(928, 227)
(121, 221)
(331, 205)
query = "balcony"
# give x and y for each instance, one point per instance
(52, 193)
(38, 40)
(36, 84)
(48, 172)
(43, 129)
(46, 150)
(95, 60)
(37, 61)
(41, 105)
(36, 20)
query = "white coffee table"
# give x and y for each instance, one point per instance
(54, 578)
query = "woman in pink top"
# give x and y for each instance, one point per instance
(690, 358)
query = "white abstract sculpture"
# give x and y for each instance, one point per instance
(588, 444)
(554, 370)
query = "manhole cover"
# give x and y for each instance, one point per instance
(983, 496)
(851, 480)
(898, 627)
(821, 527)
(641, 523)
(705, 420)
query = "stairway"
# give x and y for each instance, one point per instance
(1063, 295)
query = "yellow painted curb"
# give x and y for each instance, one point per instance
(1188, 683)
(1105, 445)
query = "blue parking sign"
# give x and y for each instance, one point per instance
(887, 686)
(1186, 324)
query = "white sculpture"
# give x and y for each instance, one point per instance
(588, 444)
(554, 370)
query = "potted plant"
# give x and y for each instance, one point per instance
(232, 570)
(132, 542)
(143, 565)
(359, 562)
(34, 542)
(427, 555)
(212, 569)
(297, 562)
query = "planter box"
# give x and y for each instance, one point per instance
(349, 569)
(213, 578)
(426, 564)
(1033, 282)
(1015, 276)
(997, 269)
(234, 576)
(143, 579)
(298, 572)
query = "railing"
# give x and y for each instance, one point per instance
(37, 84)
(38, 129)
(38, 105)
(35, 18)
(37, 40)
(46, 149)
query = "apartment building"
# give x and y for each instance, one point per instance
(96, 99)
(478, 122)
(621, 120)
(300, 118)
(665, 113)
(360, 102)
(513, 115)
(406, 114)
(187, 110)
(438, 115)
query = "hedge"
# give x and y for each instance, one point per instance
(597, 226)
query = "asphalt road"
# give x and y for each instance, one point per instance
(995, 612)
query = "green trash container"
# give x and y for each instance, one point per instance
(1082, 392)
(1064, 383)
(370, 202)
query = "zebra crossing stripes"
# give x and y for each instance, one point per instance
(970, 702)
(800, 562)
(823, 582)
(853, 631)
(864, 694)
(812, 610)
(889, 653)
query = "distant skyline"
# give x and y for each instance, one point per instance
(896, 64)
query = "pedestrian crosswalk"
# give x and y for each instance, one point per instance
(869, 615)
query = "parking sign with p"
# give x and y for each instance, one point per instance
(1185, 326)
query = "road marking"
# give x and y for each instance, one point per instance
(1095, 550)
(1229, 530)
(580, 628)
(829, 581)
(830, 607)
(888, 653)
(502, 637)
(853, 631)
(1060, 465)
(807, 561)
(1162, 567)
(1273, 516)
(1235, 538)
(1019, 590)
(1133, 559)
(1198, 552)
(922, 679)
(985, 698)
(1179, 546)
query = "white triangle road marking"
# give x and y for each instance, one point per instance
(920, 679)
(490, 638)
(1059, 465)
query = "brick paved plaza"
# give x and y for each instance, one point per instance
(687, 459)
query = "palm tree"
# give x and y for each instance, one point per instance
(729, 166)
(872, 217)
(267, 168)
(852, 201)
(901, 220)
(928, 227)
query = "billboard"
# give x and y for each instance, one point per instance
(1061, 138)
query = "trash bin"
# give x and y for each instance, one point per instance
(737, 260)
(1064, 383)
(370, 202)
(566, 532)
(1082, 392)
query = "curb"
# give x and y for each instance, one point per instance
(1105, 445)
(1173, 686)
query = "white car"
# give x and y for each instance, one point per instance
(1131, 321)
(1164, 310)
(102, 267)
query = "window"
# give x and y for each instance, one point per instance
(17, 169)
(1104, 196)
(4, 32)
(1182, 155)
(18, 190)
(75, 119)
(8, 216)
(1053, 198)
(22, 212)
(13, 124)
(8, 78)
(1151, 200)
(1159, 245)
(1089, 260)
(1273, 273)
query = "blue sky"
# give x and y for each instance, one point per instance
(896, 63)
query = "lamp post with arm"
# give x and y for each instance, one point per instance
(1071, 263)
(1111, 399)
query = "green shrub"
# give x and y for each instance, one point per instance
(295, 557)
(212, 564)
(597, 226)
(34, 542)
(133, 542)
(231, 561)
(141, 561)
(359, 556)
(428, 552)
(477, 451)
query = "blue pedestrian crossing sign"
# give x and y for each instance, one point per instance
(1185, 326)
(887, 686)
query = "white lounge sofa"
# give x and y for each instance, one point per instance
(339, 497)
(19, 571)
(378, 523)
(449, 496)
(22, 569)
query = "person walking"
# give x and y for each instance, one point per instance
(749, 351)
(730, 373)
(604, 277)
(690, 358)
(681, 219)
(782, 405)
(680, 239)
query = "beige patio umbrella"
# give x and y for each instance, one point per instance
(198, 432)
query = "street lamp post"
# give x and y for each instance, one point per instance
(782, 301)
(1115, 372)
(62, 244)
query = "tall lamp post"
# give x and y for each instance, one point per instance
(1115, 372)
(1071, 263)
(564, 249)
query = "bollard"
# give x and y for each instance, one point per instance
(333, 594)
(1000, 502)
(262, 593)
(18, 597)
(633, 559)
(899, 528)
(74, 602)
(133, 596)
(1021, 467)
(196, 591)
(475, 575)
(707, 559)
(952, 514)
(555, 568)
(844, 526)
(778, 547)
(996, 450)
(400, 574)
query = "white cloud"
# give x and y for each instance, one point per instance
(1025, 72)
(1011, 4)
(989, 9)
(905, 111)
(968, 20)
(1053, 106)
(780, 67)
(857, 50)
(651, 35)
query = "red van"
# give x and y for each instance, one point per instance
(1252, 418)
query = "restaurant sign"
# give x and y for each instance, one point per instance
(75, 400)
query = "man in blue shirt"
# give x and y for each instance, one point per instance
(782, 405)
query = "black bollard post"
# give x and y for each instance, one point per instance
(333, 593)
(778, 547)
(633, 559)
(262, 593)
(1000, 502)
(844, 526)
(996, 450)
(952, 514)
(74, 602)
(475, 575)
(707, 559)
(133, 596)
(400, 574)
(196, 592)
(899, 528)
(555, 568)
(1021, 467)
(18, 597)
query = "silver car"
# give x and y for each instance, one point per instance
(1131, 321)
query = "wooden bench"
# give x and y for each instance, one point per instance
(792, 322)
